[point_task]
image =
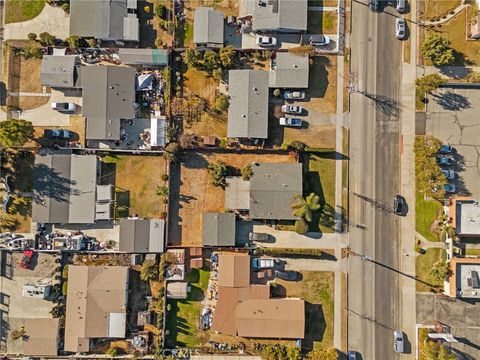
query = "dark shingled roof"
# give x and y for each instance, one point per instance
(142, 236)
(218, 229)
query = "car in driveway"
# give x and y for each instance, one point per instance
(57, 134)
(292, 109)
(445, 160)
(400, 28)
(294, 95)
(266, 41)
(294, 122)
(256, 236)
(289, 275)
(449, 174)
(319, 40)
(63, 106)
(446, 150)
(26, 259)
(374, 5)
(264, 263)
(399, 205)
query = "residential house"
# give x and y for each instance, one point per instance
(208, 27)
(248, 110)
(465, 216)
(177, 290)
(42, 336)
(464, 278)
(105, 19)
(287, 16)
(60, 71)
(96, 305)
(142, 235)
(289, 71)
(108, 97)
(218, 229)
(144, 57)
(269, 193)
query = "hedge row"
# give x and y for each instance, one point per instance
(289, 251)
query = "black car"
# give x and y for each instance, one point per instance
(287, 275)
(353, 355)
(399, 205)
(374, 5)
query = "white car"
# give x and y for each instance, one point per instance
(266, 41)
(294, 95)
(285, 121)
(292, 109)
(319, 40)
(64, 107)
(400, 28)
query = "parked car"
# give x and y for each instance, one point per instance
(292, 109)
(26, 259)
(450, 188)
(353, 355)
(398, 341)
(374, 5)
(401, 6)
(64, 107)
(319, 40)
(57, 134)
(264, 263)
(294, 95)
(19, 244)
(445, 160)
(287, 275)
(399, 205)
(446, 150)
(449, 174)
(266, 41)
(285, 121)
(400, 28)
(255, 236)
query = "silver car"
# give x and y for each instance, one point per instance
(294, 95)
(292, 109)
(400, 28)
(398, 341)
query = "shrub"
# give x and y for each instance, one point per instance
(46, 39)
(221, 104)
(92, 43)
(163, 215)
(227, 56)
(217, 74)
(66, 7)
(161, 11)
(65, 272)
(277, 92)
(271, 251)
(218, 171)
(318, 150)
(112, 351)
(149, 270)
(172, 151)
(223, 143)
(164, 177)
(31, 52)
(301, 226)
(162, 190)
(438, 50)
(246, 172)
(32, 36)
(65, 288)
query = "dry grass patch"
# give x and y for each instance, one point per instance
(322, 136)
(323, 84)
(29, 74)
(228, 7)
(437, 8)
(22, 10)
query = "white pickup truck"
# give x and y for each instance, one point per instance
(264, 263)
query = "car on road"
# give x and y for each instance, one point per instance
(450, 188)
(256, 236)
(449, 174)
(374, 5)
(26, 259)
(398, 341)
(290, 275)
(294, 95)
(401, 6)
(445, 160)
(353, 355)
(64, 107)
(446, 150)
(264, 263)
(399, 205)
(57, 134)
(319, 40)
(294, 122)
(266, 41)
(292, 109)
(400, 28)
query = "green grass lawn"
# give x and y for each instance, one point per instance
(22, 10)
(183, 318)
(320, 179)
(426, 211)
(472, 252)
(423, 264)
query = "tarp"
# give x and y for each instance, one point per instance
(157, 132)
(144, 82)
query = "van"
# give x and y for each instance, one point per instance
(401, 4)
(398, 341)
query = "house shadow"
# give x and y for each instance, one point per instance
(315, 325)
(318, 75)
(139, 291)
(174, 205)
(148, 33)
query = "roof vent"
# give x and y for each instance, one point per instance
(111, 87)
(255, 89)
(295, 66)
(244, 116)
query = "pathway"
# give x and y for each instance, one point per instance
(431, 244)
(322, 8)
(447, 18)
(28, 94)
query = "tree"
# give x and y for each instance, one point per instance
(227, 56)
(329, 354)
(439, 270)
(280, 352)
(172, 151)
(277, 92)
(301, 227)
(31, 52)
(217, 74)
(434, 351)
(438, 50)
(305, 206)
(92, 43)
(149, 270)
(218, 171)
(162, 190)
(15, 132)
(221, 104)
(65, 7)
(473, 77)
(73, 41)
(32, 36)
(112, 351)
(429, 178)
(47, 39)
(191, 57)
(210, 60)
(18, 334)
(246, 172)
(429, 83)
(161, 11)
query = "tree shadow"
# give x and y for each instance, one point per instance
(455, 72)
(148, 33)
(194, 160)
(318, 75)
(49, 183)
(384, 104)
(452, 101)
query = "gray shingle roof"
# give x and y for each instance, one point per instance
(208, 26)
(218, 229)
(291, 71)
(277, 15)
(248, 110)
(108, 96)
(64, 185)
(272, 190)
(142, 236)
(58, 71)
(143, 56)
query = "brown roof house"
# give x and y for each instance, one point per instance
(96, 305)
(41, 337)
(247, 310)
(464, 278)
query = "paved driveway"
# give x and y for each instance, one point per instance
(52, 20)
(452, 116)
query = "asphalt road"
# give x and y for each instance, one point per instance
(374, 301)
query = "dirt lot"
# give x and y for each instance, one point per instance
(192, 192)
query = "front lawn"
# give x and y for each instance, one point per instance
(435, 9)
(472, 252)
(426, 212)
(423, 264)
(183, 318)
(22, 10)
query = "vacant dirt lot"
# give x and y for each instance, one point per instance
(192, 193)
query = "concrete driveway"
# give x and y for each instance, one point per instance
(452, 117)
(52, 20)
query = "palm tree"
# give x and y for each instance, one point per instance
(305, 206)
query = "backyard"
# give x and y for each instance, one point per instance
(183, 318)
(423, 265)
(426, 212)
(316, 288)
(136, 179)
(22, 10)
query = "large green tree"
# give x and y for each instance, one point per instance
(15, 133)
(227, 56)
(429, 83)
(439, 270)
(438, 50)
(429, 179)
(304, 207)
(218, 171)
